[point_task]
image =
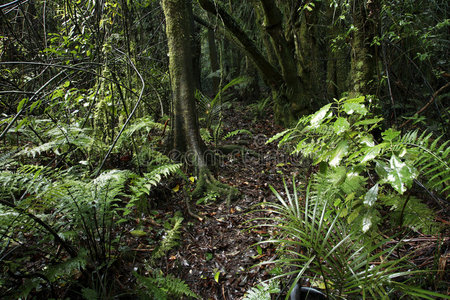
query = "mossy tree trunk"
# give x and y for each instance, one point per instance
(295, 104)
(186, 136)
(364, 53)
(286, 86)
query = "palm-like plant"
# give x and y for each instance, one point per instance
(317, 244)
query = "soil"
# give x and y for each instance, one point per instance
(224, 241)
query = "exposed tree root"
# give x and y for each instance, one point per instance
(207, 183)
(187, 200)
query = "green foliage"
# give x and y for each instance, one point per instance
(158, 286)
(84, 213)
(338, 138)
(162, 287)
(315, 243)
(210, 110)
(237, 132)
(259, 107)
(170, 239)
(263, 291)
(142, 185)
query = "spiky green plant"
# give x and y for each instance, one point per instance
(316, 244)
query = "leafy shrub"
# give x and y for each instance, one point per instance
(356, 170)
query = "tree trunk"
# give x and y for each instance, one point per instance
(287, 88)
(185, 127)
(214, 61)
(363, 55)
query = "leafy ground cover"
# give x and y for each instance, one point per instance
(211, 245)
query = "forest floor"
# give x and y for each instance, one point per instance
(224, 240)
(217, 256)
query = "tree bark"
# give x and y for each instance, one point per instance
(185, 124)
(213, 60)
(239, 37)
(363, 56)
(185, 128)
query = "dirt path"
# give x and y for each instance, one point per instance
(221, 243)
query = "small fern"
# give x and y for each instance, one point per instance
(163, 287)
(263, 291)
(237, 132)
(170, 239)
(431, 158)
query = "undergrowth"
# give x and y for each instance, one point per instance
(343, 232)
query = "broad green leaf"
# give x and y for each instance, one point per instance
(401, 175)
(371, 196)
(339, 153)
(371, 153)
(341, 125)
(338, 175)
(33, 106)
(351, 108)
(138, 233)
(367, 140)
(366, 223)
(216, 276)
(320, 115)
(368, 121)
(382, 169)
(398, 174)
(390, 134)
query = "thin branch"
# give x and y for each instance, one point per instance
(428, 103)
(26, 105)
(70, 250)
(128, 119)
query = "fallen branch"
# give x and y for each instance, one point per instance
(428, 104)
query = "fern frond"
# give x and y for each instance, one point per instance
(175, 286)
(7, 158)
(66, 267)
(263, 291)
(170, 239)
(144, 123)
(431, 158)
(155, 176)
(34, 151)
(236, 132)
(161, 287)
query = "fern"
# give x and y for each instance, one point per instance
(170, 239)
(67, 267)
(163, 287)
(143, 184)
(430, 157)
(61, 137)
(263, 291)
(7, 158)
(142, 125)
(237, 132)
